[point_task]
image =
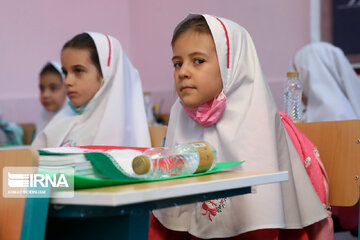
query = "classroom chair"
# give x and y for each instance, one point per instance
(164, 117)
(338, 143)
(157, 135)
(12, 209)
(29, 131)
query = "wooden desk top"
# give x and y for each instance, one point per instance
(150, 191)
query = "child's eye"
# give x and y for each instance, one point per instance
(65, 73)
(177, 64)
(79, 70)
(54, 88)
(199, 61)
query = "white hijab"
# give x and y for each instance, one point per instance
(46, 115)
(330, 84)
(114, 116)
(250, 129)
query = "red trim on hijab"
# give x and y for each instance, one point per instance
(294, 66)
(109, 49)
(227, 42)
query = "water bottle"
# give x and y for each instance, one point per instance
(292, 96)
(184, 159)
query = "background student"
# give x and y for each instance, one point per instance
(330, 85)
(106, 99)
(224, 100)
(330, 93)
(10, 132)
(52, 92)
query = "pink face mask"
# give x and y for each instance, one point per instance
(208, 113)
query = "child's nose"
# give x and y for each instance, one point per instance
(46, 92)
(69, 81)
(184, 71)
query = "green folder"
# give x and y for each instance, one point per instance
(105, 165)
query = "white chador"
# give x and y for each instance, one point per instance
(330, 83)
(114, 116)
(251, 130)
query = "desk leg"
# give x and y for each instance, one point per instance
(34, 219)
(138, 225)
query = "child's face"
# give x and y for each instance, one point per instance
(82, 79)
(197, 72)
(52, 91)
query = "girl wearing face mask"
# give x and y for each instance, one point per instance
(225, 100)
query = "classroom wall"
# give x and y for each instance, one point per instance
(34, 32)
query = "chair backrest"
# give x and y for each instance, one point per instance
(338, 143)
(12, 209)
(164, 118)
(157, 135)
(29, 131)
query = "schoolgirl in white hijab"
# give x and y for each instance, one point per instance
(115, 112)
(52, 93)
(249, 128)
(330, 84)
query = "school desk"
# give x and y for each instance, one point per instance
(122, 212)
